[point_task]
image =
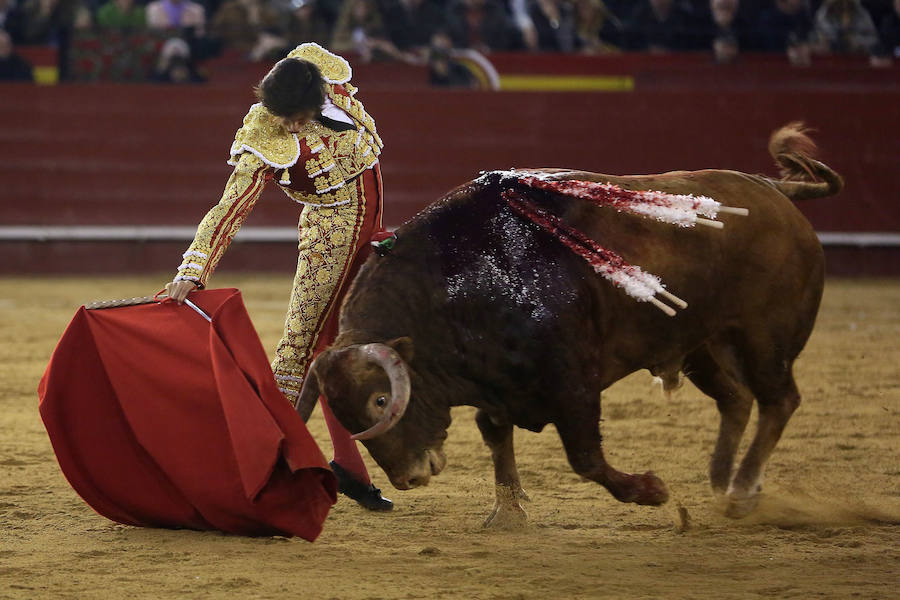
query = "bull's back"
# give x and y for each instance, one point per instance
(762, 273)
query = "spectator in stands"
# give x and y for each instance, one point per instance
(889, 34)
(597, 27)
(730, 32)
(11, 19)
(176, 14)
(481, 25)
(620, 8)
(254, 28)
(123, 15)
(309, 21)
(52, 22)
(12, 66)
(554, 24)
(186, 20)
(571, 26)
(174, 64)
(844, 27)
(879, 9)
(889, 38)
(665, 26)
(786, 26)
(443, 69)
(360, 29)
(49, 21)
(411, 24)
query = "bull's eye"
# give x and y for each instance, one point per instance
(380, 401)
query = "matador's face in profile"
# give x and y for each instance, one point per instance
(295, 122)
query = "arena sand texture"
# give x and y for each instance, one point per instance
(827, 526)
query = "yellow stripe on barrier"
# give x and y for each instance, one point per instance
(567, 83)
(46, 75)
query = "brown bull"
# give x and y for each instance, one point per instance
(478, 306)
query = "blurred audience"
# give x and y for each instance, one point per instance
(888, 47)
(360, 29)
(309, 21)
(844, 27)
(584, 26)
(730, 30)
(175, 64)
(661, 26)
(482, 25)
(124, 15)
(185, 20)
(411, 24)
(176, 15)
(598, 29)
(435, 32)
(783, 21)
(786, 26)
(252, 27)
(12, 66)
(11, 19)
(443, 69)
(51, 22)
(555, 25)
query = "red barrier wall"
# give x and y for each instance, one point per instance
(125, 154)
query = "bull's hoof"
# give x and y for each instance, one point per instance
(738, 506)
(647, 489)
(506, 516)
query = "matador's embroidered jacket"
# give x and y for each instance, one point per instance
(315, 167)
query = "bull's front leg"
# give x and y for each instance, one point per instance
(498, 435)
(579, 430)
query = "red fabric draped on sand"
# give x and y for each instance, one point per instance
(159, 418)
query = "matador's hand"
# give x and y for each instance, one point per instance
(178, 290)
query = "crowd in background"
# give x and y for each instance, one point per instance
(176, 35)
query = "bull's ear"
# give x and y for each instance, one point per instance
(402, 346)
(313, 386)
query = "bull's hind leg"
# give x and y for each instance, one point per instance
(777, 398)
(498, 436)
(714, 371)
(580, 434)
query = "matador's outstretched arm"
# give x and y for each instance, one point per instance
(223, 221)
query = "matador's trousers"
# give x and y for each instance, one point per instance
(334, 242)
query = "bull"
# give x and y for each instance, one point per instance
(476, 305)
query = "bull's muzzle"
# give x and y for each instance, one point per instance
(431, 462)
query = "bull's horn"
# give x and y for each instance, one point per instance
(388, 359)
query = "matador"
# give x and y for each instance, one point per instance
(313, 137)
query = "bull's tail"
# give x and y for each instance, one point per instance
(803, 177)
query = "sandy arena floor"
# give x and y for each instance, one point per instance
(827, 526)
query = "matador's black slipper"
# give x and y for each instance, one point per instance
(367, 495)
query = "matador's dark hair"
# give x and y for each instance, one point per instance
(292, 86)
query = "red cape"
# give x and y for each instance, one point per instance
(161, 419)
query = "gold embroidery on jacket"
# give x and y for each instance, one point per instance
(263, 135)
(333, 68)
